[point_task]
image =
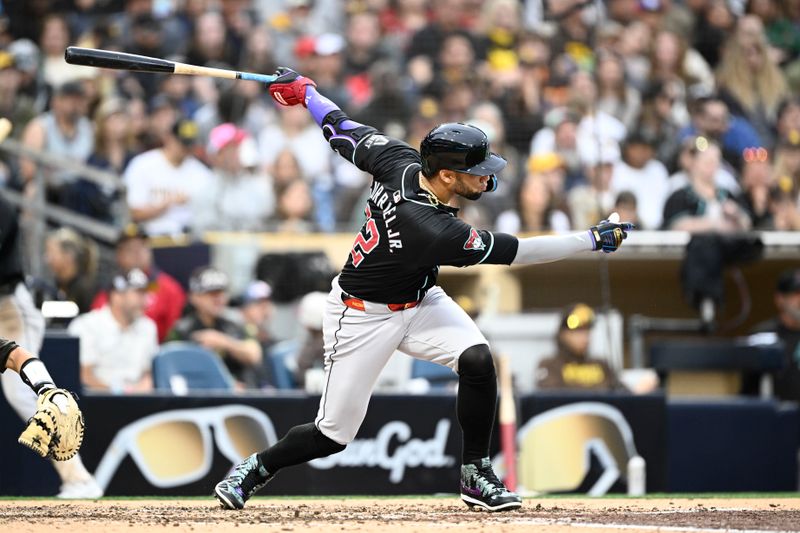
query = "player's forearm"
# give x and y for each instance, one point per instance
(341, 132)
(90, 380)
(318, 105)
(548, 248)
(245, 351)
(143, 214)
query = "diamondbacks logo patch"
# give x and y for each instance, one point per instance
(376, 140)
(474, 242)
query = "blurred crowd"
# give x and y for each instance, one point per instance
(679, 114)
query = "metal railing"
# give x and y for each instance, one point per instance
(37, 211)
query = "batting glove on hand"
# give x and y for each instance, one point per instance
(290, 87)
(609, 234)
(56, 429)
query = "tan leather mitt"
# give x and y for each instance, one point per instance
(56, 429)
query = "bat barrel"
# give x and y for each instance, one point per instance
(91, 57)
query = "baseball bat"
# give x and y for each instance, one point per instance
(93, 57)
(508, 422)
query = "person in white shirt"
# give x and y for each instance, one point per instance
(643, 175)
(595, 199)
(118, 342)
(243, 197)
(167, 185)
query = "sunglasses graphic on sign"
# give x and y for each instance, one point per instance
(175, 447)
(556, 447)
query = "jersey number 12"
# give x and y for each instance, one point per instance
(364, 245)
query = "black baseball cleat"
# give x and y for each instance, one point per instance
(247, 478)
(481, 488)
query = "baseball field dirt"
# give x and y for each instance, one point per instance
(406, 515)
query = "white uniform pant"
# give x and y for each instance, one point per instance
(23, 323)
(358, 344)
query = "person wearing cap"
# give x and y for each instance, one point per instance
(242, 198)
(64, 131)
(165, 296)
(786, 324)
(386, 297)
(643, 175)
(168, 186)
(255, 305)
(326, 62)
(205, 324)
(571, 367)
(118, 342)
(15, 105)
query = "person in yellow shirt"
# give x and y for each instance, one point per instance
(571, 367)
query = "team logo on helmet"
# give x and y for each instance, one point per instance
(474, 242)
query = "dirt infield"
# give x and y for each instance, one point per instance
(401, 515)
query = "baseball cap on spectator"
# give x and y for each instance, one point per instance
(577, 316)
(650, 5)
(133, 279)
(637, 137)
(131, 231)
(186, 131)
(71, 88)
(208, 279)
(328, 44)
(304, 46)
(146, 22)
(6, 60)
(789, 281)
(559, 115)
(26, 54)
(256, 291)
(545, 162)
(223, 135)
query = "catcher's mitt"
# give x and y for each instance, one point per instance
(56, 429)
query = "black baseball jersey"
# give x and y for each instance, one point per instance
(408, 234)
(10, 253)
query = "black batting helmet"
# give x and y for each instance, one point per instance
(459, 147)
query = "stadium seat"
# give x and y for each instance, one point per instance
(278, 355)
(439, 376)
(181, 367)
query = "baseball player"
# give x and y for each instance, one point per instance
(21, 321)
(386, 297)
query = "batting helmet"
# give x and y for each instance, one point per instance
(459, 147)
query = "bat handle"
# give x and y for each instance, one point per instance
(261, 78)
